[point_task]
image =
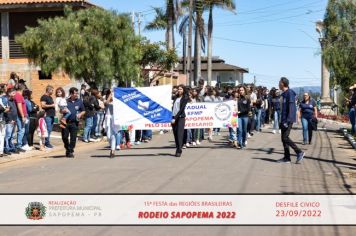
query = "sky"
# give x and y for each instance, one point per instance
(271, 38)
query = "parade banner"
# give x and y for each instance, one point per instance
(211, 115)
(131, 209)
(150, 108)
(141, 108)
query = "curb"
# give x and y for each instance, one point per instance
(45, 154)
(349, 137)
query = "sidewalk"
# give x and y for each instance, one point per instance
(56, 141)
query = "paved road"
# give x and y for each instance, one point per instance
(209, 168)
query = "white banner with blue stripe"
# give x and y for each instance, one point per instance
(143, 108)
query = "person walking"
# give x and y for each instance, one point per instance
(49, 107)
(244, 108)
(112, 131)
(76, 108)
(276, 110)
(288, 117)
(178, 119)
(307, 111)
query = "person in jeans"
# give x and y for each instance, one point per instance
(22, 118)
(307, 110)
(244, 107)
(32, 110)
(288, 117)
(91, 105)
(49, 107)
(100, 116)
(10, 122)
(276, 110)
(97, 119)
(3, 109)
(76, 108)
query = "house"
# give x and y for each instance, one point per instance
(15, 16)
(222, 73)
(158, 77)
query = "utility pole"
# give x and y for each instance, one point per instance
(190, 36)
(254, 80)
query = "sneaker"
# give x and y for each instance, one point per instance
(184, 146)
(70, 155)
(20, 150)
(16, 151)
(198, 143)
(50, 146)
(85, 141)
(249, 136)
(161, 132)
(7, 153)
(245, 144)
(284, 160)
(187, 145)
(273, 131)
(194, 144)
(137, 143)
(26, 147)
(279, 131)
(300, 157)
(118, 147)
(93, 140)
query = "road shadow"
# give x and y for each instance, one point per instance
(333, 161)
(57, 156)
(265, 159)
(135, 155)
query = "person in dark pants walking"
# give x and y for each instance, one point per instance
(288, 117)
(76, 107)
(178, 119)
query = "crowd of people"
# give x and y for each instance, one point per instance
(258, 108)
(86, 108)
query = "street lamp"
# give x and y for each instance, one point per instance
(325, 75)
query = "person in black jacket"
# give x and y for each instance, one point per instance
(32, 110)
(244, 108)
(178, 119)
(91, 104)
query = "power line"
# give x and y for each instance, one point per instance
(272, 20)
(286, 3)
(306, 6)
(265, 44)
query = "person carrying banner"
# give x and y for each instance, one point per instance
(178, 119)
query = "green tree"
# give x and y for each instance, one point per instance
(340, 41)
(165, 20)
(93, 44)
(156, 58)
